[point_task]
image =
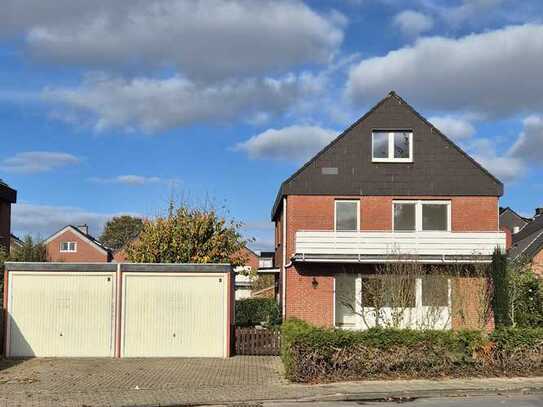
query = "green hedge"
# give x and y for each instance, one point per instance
(313, 354)
(255, 311)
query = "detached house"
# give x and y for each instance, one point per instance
(390, 189)
(75, 244)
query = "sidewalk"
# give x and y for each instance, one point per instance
(175, 382)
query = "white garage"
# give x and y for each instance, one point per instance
(61, 313)
(123, 310)
(174, 314)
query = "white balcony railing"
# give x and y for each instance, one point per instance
(313, 244)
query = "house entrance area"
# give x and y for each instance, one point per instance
(364, 301)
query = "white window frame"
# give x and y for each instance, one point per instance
(418, 214)
(390, 158)
(68, 250)
(357, 201)
(419, 310)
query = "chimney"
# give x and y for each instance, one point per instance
(83, 228)
(538, 212)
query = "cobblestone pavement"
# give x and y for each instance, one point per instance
(151, 382)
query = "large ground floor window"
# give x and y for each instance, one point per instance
(365, 301)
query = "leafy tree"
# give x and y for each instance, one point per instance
(525, 295)
(30, 250)
(188, 235)
(120, 231)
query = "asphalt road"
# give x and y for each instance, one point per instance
(491, 401)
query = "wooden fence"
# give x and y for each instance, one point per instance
(252, 341)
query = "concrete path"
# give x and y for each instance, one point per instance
(146, 382)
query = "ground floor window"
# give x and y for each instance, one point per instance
(365, 301)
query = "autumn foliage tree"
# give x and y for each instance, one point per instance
(188, 235)
(120, 231)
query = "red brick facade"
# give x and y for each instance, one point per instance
(86, 252)
(537, 263)
(310, 287)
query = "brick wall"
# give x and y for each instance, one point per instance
(537, 263)
(86, 252)
(312, 303)
(310, 212)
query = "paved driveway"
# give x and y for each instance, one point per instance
(118, 382)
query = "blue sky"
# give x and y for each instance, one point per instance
(116, 107)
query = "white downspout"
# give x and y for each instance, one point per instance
(284, 257)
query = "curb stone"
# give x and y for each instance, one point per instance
(397, 396)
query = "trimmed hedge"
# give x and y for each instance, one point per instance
(255, 311)
(313, 354)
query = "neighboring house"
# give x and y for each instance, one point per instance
(528, 243)
(74, 244)
(512, 220)
(263, 263)
(243, 279)
(391, 188)
(8, 196)
(15, 242)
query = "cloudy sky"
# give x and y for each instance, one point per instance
(115, 107)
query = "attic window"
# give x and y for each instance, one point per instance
(70, 247)
(392, 146)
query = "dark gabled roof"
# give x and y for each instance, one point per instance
(7, 193)
(445, 169)
(529, 241)
(510, 219)
(535, 225)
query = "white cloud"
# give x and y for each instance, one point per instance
(290, 143)
(159, 104)
(494, 73)
(44, 220)
(413, 23)
(134, 180)
(529, 145)
(453, 127)
(201, 38)
(469, 10)
(505, 167)
(37, 161)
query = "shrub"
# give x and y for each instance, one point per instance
(313, 354)
(255, 311)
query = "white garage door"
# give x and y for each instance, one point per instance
(61, 314)
(174, 315)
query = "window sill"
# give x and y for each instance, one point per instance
(388, 160)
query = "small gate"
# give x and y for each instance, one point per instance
(253, 341)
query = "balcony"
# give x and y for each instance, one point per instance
(388, 246)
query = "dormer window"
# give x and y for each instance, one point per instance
(392, 146)
(68, 247)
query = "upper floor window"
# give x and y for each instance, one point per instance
(347, 216)
(422, 215)
(392, 146)
(68, 247)
(266, 262)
